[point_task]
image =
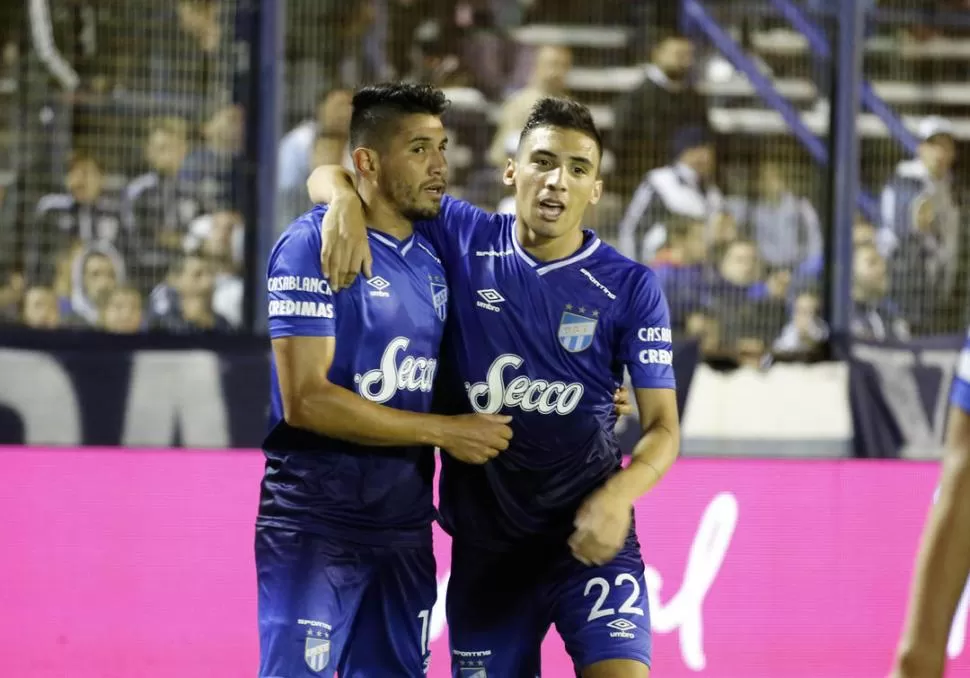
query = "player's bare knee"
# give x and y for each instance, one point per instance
(617, 668)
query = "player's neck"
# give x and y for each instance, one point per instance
(545, 248)
(384, 218)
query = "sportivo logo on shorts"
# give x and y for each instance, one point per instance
(411, 373)
(544, 397)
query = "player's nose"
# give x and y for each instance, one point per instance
(555, 180)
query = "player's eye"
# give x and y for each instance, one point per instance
(418, 149)
(580, 171)
(541, 162)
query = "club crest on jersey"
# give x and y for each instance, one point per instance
(576, 330)
(439, 296)
(316, 653)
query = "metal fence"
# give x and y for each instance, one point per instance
(719, 161)
(123, 140)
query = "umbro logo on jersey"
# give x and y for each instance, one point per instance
(489, 299)
(379, 285)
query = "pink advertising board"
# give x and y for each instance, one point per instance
(123, 563)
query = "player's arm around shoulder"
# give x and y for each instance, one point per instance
(943, 561)
(344, 251)
(302, 327)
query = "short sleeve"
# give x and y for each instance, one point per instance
(301, 303)
(960, 392)
(646, 343)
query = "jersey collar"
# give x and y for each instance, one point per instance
(402, 246)
(591, 243)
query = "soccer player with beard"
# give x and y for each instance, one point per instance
(544, 317)
(344, 558)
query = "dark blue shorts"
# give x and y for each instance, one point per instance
(500, 606)
(326, 607)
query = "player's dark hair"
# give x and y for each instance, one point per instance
(379, 108)
(563, 113)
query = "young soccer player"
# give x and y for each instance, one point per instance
(343, 540)
(544, 318)
(943, 563)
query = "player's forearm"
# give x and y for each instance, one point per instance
(329, 183)
(653, 456)
(941, 569)
(338, 413)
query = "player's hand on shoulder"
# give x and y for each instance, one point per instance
(621, 402)
(344, 251)
(602, 525)
(476, 438)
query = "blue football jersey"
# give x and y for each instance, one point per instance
(388, 333)
(547, 343)
(960, 391)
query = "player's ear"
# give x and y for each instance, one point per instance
(366, 162)
(597, 192)
(508, 176)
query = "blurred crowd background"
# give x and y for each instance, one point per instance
(126, 152)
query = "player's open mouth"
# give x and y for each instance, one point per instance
(550, 210)
(435, 190)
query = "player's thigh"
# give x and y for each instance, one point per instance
(391, 634)
(309, 592)
(495, 624)
(603, 615)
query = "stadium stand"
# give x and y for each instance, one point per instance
(121, 137)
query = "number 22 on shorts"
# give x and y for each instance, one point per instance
(628, 606)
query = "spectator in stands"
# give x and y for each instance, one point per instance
(190, 53)
(96, 272)
(738, 271)
(804, 335)
(11, 278)
(123, 313)
(706, 328)
(874, 314)
(650, 115)
(329, 148)
(40, 309)
(82, 214)
(296, 148)
(437, 60)
(548, 78)
(219, 237)
(158, 206)
(918, 202)
(11, 293)
(681, 267)
(210, 167)
(186, 306)
(785, 226)
(684, 188)
(769, 306)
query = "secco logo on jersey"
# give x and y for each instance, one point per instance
(410, 374)
(544, 397)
